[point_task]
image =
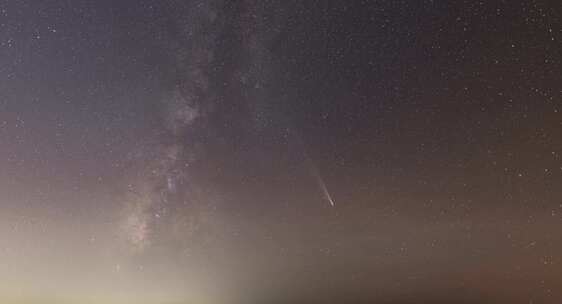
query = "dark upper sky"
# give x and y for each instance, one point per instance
(281, 151)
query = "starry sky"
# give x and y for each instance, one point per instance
(253, 151)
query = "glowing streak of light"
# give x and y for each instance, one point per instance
(313, 168)
(321, 184)
(325, 191)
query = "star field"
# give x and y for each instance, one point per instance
(280, 151)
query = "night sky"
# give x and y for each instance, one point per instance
(218, 152)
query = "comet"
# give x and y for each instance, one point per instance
(321, 183)
(325, 191)
(313, 169)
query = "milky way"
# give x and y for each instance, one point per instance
(280, 151)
